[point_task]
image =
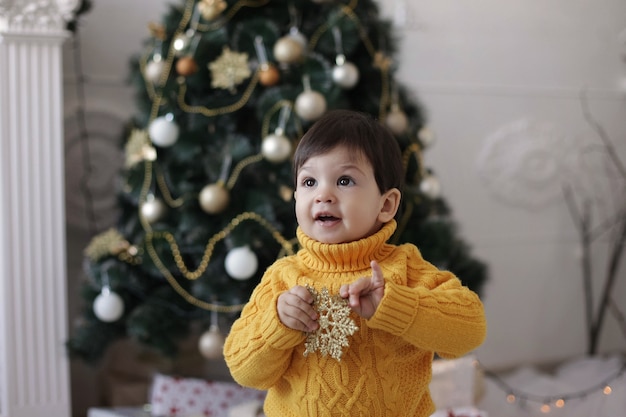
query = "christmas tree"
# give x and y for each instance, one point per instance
(224, 90)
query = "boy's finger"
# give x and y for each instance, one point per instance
(377, 274)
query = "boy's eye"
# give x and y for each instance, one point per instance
(344, 181)
(308, 182)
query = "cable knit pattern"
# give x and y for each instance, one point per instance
(387, 367)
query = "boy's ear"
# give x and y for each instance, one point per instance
(390, 205)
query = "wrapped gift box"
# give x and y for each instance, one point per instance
(194, 397)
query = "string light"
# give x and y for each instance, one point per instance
(515, 396)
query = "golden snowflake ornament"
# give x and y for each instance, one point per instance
(211, 9)
(335, 325)
(138, 148)
(110, 242)
(229, 70)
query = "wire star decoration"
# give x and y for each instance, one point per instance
(335, 325)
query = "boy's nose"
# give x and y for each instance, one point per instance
(324, 195)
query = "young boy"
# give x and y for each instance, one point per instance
(349, 174)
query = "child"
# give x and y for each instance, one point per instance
(348, 172)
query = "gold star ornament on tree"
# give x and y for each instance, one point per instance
(110, 242)
(229, 70)
(211, 9)
(335, 325)
(138, 148)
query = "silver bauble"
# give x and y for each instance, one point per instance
(397, 121)
(163, 131)
(346, 75)
(310, 105)
(426, 137)
(214, 198)
(211, 343)
(153, 209)
(276, 148)
(241, 263)
(154, 71)
(288, 50)
(430, 186)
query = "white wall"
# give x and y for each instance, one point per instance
(477, 67)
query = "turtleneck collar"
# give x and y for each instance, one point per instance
(351, 256)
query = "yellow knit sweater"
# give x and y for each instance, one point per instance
(387, 367)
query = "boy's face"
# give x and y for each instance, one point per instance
(337, 198)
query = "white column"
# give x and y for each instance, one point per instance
(34, 367)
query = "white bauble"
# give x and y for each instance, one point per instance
(276, 148)
(397, 121)
(153, 209)
(426, 136)
(288, 50)
(211, 343)
(241, 263)
(310, 105)
(430, 186)
(214, 198)
(154, 71)
(346, 75)
(163, 131)
(108, 306)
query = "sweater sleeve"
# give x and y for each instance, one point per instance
(258, 348)
(432, 310)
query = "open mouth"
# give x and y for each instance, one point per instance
(326, 218)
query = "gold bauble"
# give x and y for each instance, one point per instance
(288, 50)
(276, 148)
(310, 105)
(397, 121)
(214, 198)
(211, 343)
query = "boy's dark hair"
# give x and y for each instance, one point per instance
(360, 133)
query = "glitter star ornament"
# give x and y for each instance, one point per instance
(110, 242)
(335, 325)
(229, 70)
(138, 148)
(211, 9)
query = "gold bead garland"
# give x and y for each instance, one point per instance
(165, 191)
(239, 167)
(205, 111)
(206, 258)
(231, 12)
(415, 150)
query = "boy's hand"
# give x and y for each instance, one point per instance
(295, 310)
(365, 293)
